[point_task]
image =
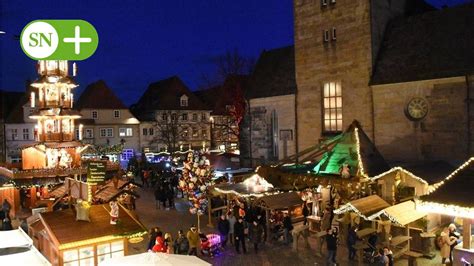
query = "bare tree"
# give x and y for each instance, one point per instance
(169, 131)
(232, 63)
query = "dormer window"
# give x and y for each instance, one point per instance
(117, 113)
(184, 101)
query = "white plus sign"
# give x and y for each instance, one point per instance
(77, 40)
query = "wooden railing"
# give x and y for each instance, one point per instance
(52, 172)
(56, 137)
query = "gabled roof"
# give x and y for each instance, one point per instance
(9, 99)
(431, 45)
(274, 74)
(456, 190)
(16, 114)
(364, 207)
(165, 95)
(99, 96)
(353, 147)
(218, 97)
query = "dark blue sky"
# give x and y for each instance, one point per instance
(144, 41)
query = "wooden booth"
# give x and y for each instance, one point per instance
(288, 201)
(63, 240)
(454, 197)
(403, 224)
(252, 187)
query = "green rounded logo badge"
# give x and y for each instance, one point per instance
(59, 40)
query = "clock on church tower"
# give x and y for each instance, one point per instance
(417, 108)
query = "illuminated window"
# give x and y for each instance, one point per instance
(332, 107)
(195, 133)
(82, 256)
(95, 115)
(26, 134)
(117, 113)
(184, 100)
(125, 132)
(110, 250)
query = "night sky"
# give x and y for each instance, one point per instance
(144, 41)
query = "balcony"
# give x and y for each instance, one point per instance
(55, 103)
(57, 137)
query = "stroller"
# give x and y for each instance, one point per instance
(210, 244)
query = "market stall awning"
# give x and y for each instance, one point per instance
(255, 186)
(280, 201)
(364, 207)
(453, 196)
(158, 259)
(402, 214)
(355, 149)
(16, 248)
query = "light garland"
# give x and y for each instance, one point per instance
(359, 160)
(398, 168)
(445, 209)
(460, 168)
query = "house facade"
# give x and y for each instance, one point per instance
(9, 100)
(107, 121)
(380, 62)
(269, 127)
(228, 106)
(19, 128)
(172, 118)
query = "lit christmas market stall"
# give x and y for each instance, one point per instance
(454, 197)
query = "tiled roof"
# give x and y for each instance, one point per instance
(165, 95)
(217, 98)
(457, 190)
(16, 114)
(9, 99)
(99, 96)
(274, 74)
(431, 45)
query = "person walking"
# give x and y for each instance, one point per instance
(306, 213)
(445, 245)
(232, 221)
(223, 226)
(6, 208)
(153, 234)
(7, 224)
(257, 232)
(159, 243)
(331, 244)
(170, 195)
(193, 239)
(388, 256)
(169, 243)
(181, 244)
(453, 236)
(239, 231)
(351, 241)
(287, 227)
